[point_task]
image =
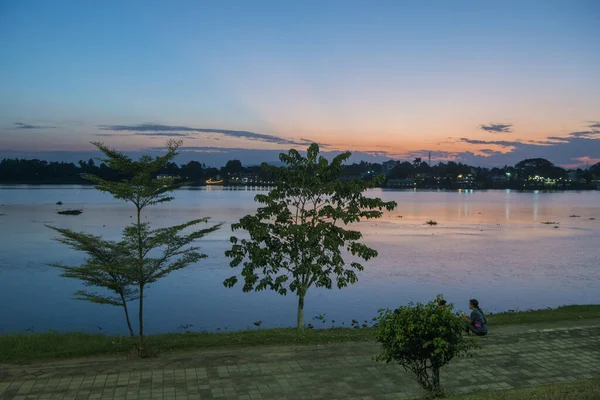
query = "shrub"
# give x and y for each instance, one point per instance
(422, 339)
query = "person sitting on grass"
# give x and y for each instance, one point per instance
(476, 322)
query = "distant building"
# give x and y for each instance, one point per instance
(244, 178)
(401, 183)
(163, 176)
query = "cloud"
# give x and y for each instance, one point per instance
(308, 142)
(146, 128)
(558, 138)
(489, 151)
(21, 125)
(497, 128)
(150, 134)
(504, 143)
(594, 124)
(561, 153)
(149, 129)
(162, 134)
(593, 134)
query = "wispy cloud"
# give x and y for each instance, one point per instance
(146, 128)
(149, 134)
(149, 129)
(594, 124)
(163, 134)
(22, 125)
(496, 128)
(504, 143)
(110, 134)
(488, 151)
(593, 134)
(309, 142)
(558, 138)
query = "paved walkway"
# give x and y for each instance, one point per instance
(510, 357)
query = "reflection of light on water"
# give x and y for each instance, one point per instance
(507, 204)
(536, 204)
(517, 265)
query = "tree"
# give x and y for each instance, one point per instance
(422, 339)
(102, 269)
(595, 170)
(126, 267)
(297, 234)
(193, 171)
(233, 167)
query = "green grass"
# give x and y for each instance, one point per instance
(580, 390)
(23, 347)
(565, 313)
(20, 348)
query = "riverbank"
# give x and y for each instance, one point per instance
(23, 348)
(552, 360)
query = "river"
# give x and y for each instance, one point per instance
(489, 245)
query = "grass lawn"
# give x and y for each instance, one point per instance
(22, 347)
(580, 390)
(565, 313)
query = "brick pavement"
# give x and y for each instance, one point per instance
(509, 358)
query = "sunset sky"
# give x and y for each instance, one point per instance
(488, 83)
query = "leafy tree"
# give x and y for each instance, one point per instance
(534, 163)
(595, 168)
(297, 234)
(103, 269)
(422, 339)
(193, 171)
(127, 267)
(233, 167)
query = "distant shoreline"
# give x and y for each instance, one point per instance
(387, 188)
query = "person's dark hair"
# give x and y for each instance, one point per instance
(443, 302)
(475, 304)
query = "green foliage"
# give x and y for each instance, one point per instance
(139, 185)
(422, 339)
(143, 255)
(298, 233)
(103, 268)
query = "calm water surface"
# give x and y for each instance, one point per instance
(490, 245)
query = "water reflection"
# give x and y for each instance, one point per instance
(487, 244)
(536, 204)
(507, 197)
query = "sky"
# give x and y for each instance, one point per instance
(482, 82)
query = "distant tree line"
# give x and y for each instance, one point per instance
(417, 173)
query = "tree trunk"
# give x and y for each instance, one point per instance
(140, 282)
(141, 321)
(300, 319)
(435, 380)
(127, 316)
